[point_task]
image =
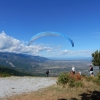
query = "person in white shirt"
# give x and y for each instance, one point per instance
(73, 70)
(79, 72)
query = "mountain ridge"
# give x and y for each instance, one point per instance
(21, 62)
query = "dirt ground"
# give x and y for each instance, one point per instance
(14, 86)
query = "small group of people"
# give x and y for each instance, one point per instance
(90, 69)
(73, 70)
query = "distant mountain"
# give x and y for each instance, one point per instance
(21, 62)
(17, 56)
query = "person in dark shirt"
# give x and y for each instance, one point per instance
(47, 72)
(91, 71)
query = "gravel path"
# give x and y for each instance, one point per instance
(17, 85)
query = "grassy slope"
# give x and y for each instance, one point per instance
(4, 71)
(90, 91)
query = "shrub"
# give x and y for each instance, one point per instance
(63, 79)
(70, 79)
(73, 83)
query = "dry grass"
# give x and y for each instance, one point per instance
(90, 91)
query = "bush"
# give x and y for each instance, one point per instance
(63, 79)
(69, 79)
(73, 83)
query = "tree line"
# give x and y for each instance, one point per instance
(96, 58)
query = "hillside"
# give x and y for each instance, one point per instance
(21, 62)
(4, 71)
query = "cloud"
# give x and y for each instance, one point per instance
(75, 53)
(85, 51)
(7, 41)
(10, 44)
(66, 52)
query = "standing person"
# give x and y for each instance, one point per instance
(91, 71)
(79, 72)
(73, 70)
(47, 72)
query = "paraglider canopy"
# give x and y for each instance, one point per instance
(50, 34)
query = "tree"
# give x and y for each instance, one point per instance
(96, 58)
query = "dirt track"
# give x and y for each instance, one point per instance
(10, 86)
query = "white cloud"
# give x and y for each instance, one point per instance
(76, 53)
(85, 51)
(10, 44)
(65, 52)
(7, 41)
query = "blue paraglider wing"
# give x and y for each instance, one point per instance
(49, 34)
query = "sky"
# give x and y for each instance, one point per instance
(20, 20)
